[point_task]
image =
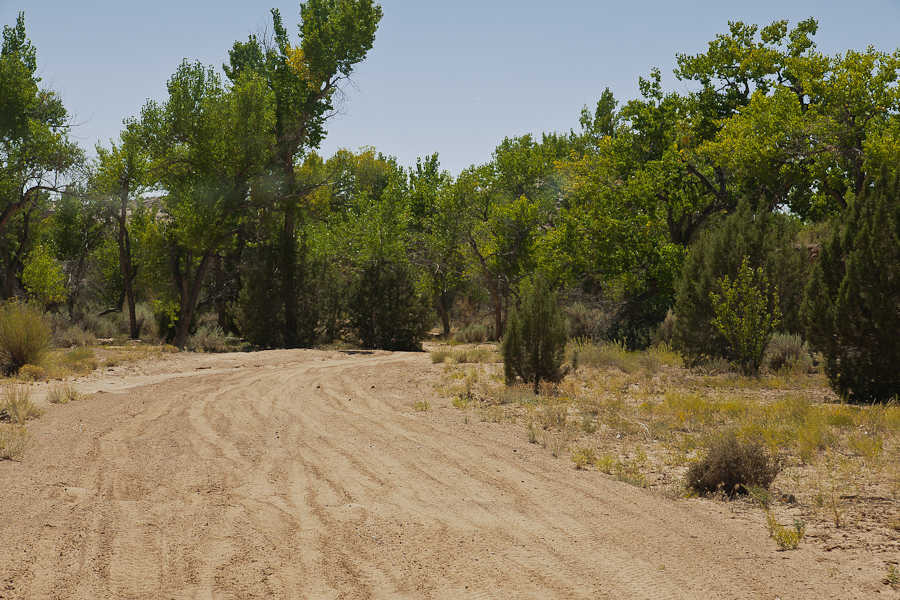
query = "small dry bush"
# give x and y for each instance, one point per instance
(473, 334)
(585, 353)
(24, 336)
(514, 394)
(14, 440)
(73, 335)
(208, 338)
(787, 352)
(32, 373)
(61, 394)
(16, 405)
(586, 322)
(732, 467)
(421, 406)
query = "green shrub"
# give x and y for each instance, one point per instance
(733, 467)
(260, 310)
(769, 242)
(743, 315)
(386, 308)
(851, 308)
(24, 336)
(535, 341)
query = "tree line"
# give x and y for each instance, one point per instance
(775, 171)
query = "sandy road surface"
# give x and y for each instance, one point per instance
(307, 474)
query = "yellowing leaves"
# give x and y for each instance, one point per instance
(297, 61)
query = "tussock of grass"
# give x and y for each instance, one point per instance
(439, 356)
(585, 353)
(16, 405)
(61, 394)
(14, 441)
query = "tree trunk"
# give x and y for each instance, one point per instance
(289, 276)
(442, 311)
(125, 267)
(190, 294)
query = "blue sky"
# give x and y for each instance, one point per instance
(447, 77)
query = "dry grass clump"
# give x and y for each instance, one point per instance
(61, 394)
(14, 440)
(16, 405)
(585, 353)
(477, 354)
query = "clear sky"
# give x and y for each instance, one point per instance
(448, 77)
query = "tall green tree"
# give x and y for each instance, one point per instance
(208, 144)
(36, 154)
(305, 80)
(119, 178)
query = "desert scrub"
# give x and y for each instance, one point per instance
(421, 406)
(732, 466)
(24, 336)
(473, 355)
(583, 456)
(14, 440)
(473, 334)
(16, 405)
(787, 538)
(61, 394)
(439, 356)
(787, 352)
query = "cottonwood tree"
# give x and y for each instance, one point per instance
(305, 80)
(36, 155)
(208, 145)
(119, 178)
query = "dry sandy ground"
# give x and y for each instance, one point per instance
(307, 474)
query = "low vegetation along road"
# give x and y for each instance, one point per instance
(307, 474)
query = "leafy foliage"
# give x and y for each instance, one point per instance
(43, 277)
(743, 317)
(764, 240)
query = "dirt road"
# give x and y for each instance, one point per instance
(307, 474)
